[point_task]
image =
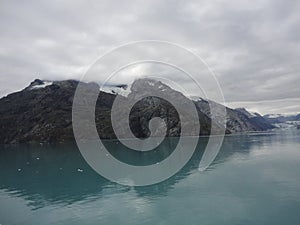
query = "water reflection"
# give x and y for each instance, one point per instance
(57, 174)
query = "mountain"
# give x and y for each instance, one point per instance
(278, 118)
(239, 120)
(157, 107)
(256, 119)
(42, 112)
(283, 121)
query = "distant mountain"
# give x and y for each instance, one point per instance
(256, 119)
(239, 120)
(284, 121)
(278, 118)
(42, 112)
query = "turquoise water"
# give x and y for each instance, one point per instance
(254, 180)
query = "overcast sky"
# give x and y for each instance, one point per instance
(252, 46)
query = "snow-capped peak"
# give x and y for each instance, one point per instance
(45, 84)
(196, 98)
(273, 116)
(121, 89)
(37, 84)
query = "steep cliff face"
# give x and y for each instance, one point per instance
(42, 112)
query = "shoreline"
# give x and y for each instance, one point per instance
(252, 133)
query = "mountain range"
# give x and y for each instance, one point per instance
(42, 112)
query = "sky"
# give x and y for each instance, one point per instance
(252, 46)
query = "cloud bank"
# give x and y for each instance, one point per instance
(252, 46)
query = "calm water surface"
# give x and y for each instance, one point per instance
(254, 180)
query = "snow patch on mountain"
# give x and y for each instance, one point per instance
(196, 98)
(43, 85)
(122, 89)
(37, 84)
(272, 116)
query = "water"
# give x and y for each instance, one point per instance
(254, 180)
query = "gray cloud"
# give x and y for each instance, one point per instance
(253, 46)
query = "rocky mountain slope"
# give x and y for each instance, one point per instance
(238, 120)
(256, 119)
(42, 112)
